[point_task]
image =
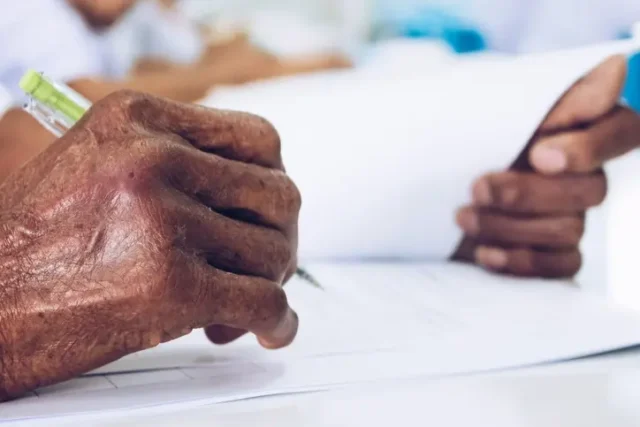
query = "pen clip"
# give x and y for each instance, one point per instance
(52, 120)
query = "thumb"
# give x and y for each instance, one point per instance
(590, 98)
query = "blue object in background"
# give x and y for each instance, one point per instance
(417, 19)
(461, 36)
(632, 86)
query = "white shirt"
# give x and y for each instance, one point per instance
(50, 36)
(47, 36)
(150, 30)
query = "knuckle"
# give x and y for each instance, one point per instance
(582, 192)
(582, 150)
(266, 136)
(123, 98)
(600, 190)
(118, 103)
(268, 308)
(509, 190)
(530, 263)
(112, 116)
(279, 255)
(268, 132)
(538, 264)
(558, 265)
(564, 265)
(574, 263)
(572, 229)
(274, 306)
(291, 195)
(522, 262)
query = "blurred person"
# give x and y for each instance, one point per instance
(71, 42)
(73, 45)
(140, 224)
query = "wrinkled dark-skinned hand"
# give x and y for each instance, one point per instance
(529, 220)
(146, 220)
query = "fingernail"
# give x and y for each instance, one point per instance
(548, 159)
(287, 326)
(491, 257)
(283, 334)
(468, 221)
(482, 193)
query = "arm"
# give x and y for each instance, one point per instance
(189, 83)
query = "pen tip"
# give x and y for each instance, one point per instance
(304, 275)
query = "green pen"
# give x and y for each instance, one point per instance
(58, 107)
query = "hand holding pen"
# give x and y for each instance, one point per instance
(58, 107)
(127, 232)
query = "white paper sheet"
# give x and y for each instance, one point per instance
(383, 164)
(372, 323)
(382, 321)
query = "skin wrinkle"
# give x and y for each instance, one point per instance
(97, 259)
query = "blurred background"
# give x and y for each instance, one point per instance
(212, 43)
(432, 30)
(423, 35)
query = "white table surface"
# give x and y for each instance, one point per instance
(602, 391)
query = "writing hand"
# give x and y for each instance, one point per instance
(146, 220)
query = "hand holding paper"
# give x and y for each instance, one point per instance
(384, 164)
(530, 221)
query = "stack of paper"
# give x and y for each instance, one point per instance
(371, 323)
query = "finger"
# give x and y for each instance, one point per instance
(586, 150)
(233, 135)
(551, 232)
(591, 97)
(536, 194)
(242, 302)
(239, 190)
(228, 244)
(528, 262)
(222, 335)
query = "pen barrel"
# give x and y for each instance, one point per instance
(58, 98)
